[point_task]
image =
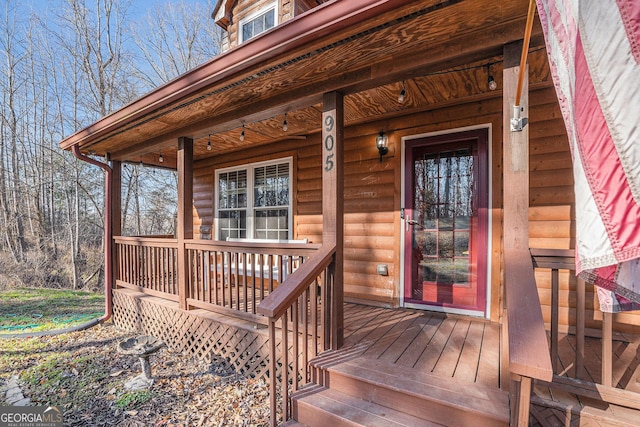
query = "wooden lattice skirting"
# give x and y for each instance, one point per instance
(235, 342)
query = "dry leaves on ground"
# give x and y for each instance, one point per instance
(83, 374)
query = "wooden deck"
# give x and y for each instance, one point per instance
(448, 346)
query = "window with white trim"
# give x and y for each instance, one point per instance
(258, 23)
(254, 201)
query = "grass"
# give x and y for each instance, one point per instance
(33, 310)
(133, 399)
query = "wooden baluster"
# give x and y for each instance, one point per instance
(245, 280)
(226, 267)
(580, 322)
(295, 343)
(236, 257)
(261, 282)
(305, 334)
(270, 265)
(284, 348)
(607, 345)
(254, 300)
(314, 317)
(217, 276)
(273, 377)
(209, 275)
(555, 291)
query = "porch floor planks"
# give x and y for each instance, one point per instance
(447, 346)
(386, 337)
(467, 366)
(626, 366)
(402, 342)
(383, 320)
(448, 362)
(431, 355)
(488, 374)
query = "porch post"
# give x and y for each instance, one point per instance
(184, 226)
(116, 214)
(515, 155)
(515, 196)
(333, 207)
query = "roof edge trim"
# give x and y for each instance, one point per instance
(328, 18)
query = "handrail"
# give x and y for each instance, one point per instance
(528, 353)
(284, 295)
(253, 247)
(301, 305)
(143, 240)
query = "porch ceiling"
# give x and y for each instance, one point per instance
(418, 42)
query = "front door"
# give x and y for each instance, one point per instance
(446, 221)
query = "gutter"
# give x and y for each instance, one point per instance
(304, 29)
(108, 263)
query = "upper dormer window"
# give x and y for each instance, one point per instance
(258, 23)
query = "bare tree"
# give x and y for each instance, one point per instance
(174, 38)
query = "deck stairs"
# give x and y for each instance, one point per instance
(358, 391)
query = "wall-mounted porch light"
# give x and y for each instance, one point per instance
(160, 158)
(209, 143)
(381, 143)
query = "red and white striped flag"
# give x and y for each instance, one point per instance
(594, 53)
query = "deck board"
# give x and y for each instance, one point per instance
(448, 361)
(428, 342)
(394, 351)
(432, 353)
(489, 356)
(467, 367)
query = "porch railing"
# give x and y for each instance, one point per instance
(301, 309)
(554, 261)
(528, 355)
(237, 276)
(147, 264)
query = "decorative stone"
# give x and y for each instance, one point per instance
(142, 346)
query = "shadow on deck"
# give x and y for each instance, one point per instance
(407, 367)
(552, 406)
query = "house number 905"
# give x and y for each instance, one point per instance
(329, 141)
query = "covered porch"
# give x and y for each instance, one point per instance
(277, 309)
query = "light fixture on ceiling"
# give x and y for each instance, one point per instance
(403, 94)
(160, 158)
(491, 82)
(209, 143)
(285, 125)
(381, 144)
(242, 133)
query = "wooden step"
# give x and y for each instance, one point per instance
(321, 406)
(429, 397)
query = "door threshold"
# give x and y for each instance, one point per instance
(441, 309)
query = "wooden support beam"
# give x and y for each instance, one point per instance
(184, 228)
(333, 206)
